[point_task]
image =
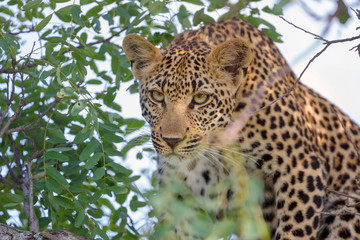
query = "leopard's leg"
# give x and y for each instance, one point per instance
(269, 208)
(299, 200)
(340, 218)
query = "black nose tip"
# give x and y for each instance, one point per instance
(172, 141)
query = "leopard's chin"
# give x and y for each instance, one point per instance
(177, 160)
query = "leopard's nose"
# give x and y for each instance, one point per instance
(172, 141)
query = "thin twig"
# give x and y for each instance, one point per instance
(32, 126)
(31, 29)
(343, 194)
(327, 44)
(342, 213)
(11, 171)
(306, 31)
(297, 80)
(11, 71)
(106, 39)
(37, 176)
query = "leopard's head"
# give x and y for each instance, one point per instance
(187, 91)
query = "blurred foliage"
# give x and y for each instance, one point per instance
(61, 67)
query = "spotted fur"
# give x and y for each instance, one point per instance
(301, 146)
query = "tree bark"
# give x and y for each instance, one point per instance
(11, 233)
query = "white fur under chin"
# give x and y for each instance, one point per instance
(192, 169)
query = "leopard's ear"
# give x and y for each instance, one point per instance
(142, 54)
(230, 60)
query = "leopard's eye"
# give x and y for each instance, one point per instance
(156, 96)
(201, 99)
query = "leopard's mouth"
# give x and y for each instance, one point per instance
(178, 157)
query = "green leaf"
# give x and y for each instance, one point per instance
(46, 74)
(216, 4)
(123, 12)
(277, 8)
(31, 4)
(109, 18)
(94, 11)
(59, 1)
(84, 198)
(88, 150)
(15, 197)
(80, 218)
(56, 140)
(93, 161)
(112, 138)
(133, 124)
(53, 186)
(95, 196)
(118, 189)
(75, 12)
(7, 11)
(110, 95)
(60, 149)
(137, 141)
(63, 201)
(110, 127)
(135, 204)
(44, 222)
(120, 169)
(65, 92)
(182, 16)
(196, 2)
(64, 13)
(3, 44)
(58, 72)
(43, 23)
(102, 233)
(99, 173)
(54, 174)
(82, 136)
(156, 7)
(200, 16)
(78, 107)
(94, 82)
(58, 156)
(342, 12)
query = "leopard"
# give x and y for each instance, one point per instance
(303, 147)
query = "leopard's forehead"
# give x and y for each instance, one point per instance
(183, 71)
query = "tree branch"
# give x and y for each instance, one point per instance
(7, 232)
(11, 171)
(104, 40)
(32, 126)
(31, 29)
(29, 185)
(10, 184)
(17, 158)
